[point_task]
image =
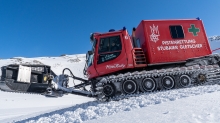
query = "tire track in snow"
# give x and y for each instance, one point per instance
(95, 110)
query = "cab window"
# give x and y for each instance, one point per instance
(109, 48)
(110, 44)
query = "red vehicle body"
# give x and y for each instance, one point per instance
(161, 46)
(153, 42)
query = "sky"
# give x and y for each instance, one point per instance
(35, 28)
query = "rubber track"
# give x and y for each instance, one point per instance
(209, 70)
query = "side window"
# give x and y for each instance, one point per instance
(93, 46)
(176, 31)
(109, 48)
(138, 43)
(115, 43)
(104, 45)
(110, 44)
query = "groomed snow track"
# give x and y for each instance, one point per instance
(133, 84)
(95, 110)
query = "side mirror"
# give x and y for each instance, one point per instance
(90, 52)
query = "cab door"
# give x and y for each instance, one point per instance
(111, 56)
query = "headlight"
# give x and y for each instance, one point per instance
(45, 78)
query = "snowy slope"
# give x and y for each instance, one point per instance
(196, 104)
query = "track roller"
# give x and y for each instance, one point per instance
(129, 87)
(148, 85)
(185, 80)
(201, 78)
(109, 90)
(168, 82)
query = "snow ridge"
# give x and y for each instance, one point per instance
(95, 110)
(213, 38)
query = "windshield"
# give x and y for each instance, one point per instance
(90, 60)
(89, 56)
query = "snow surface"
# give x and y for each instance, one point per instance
(96, 110)
(194, 109)
(194, 105)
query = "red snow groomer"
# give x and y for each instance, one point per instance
(159, 55)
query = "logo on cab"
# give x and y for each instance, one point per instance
(115, 66)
